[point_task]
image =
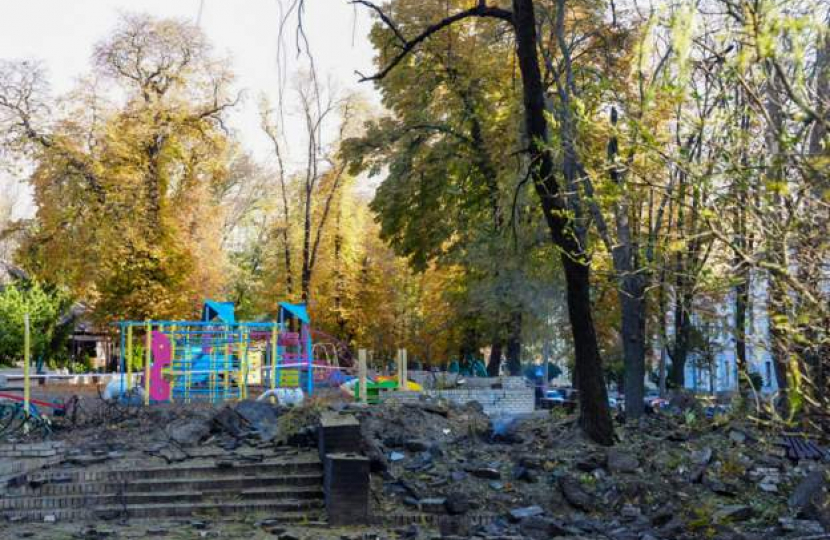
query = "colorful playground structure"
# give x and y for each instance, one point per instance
(220, 358)
(217, 359)
(370, 390)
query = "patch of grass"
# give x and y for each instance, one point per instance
(701, 519)
(731, 467)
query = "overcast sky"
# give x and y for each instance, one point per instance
(62, 33)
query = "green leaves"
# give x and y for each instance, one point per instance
(44, 307)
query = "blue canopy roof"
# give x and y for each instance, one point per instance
(298, 311)
(222, 311)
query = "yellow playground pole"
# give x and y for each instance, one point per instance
(26, 359)
(243, 367)
(274, 357)
(129, 357)
(188, 367)
(147, 357)
(227, 360)
(212, 374)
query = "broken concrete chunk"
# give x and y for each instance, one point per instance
(810, 490)
(733, 513)
(702, 456)
(622, 462)
(575, 494)
(800, 526)
(518, 514)
(188, 432)
(261, 416)
(736, 436)
(811, 498)
(416, 445)
(590, 463)
(542, 528)
(485, 472)
(456, 503)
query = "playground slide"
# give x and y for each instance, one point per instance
(200, 367)
(410, 386)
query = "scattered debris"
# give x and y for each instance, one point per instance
(801, 448)
(539, 478)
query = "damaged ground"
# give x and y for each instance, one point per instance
(443, 470)
(671, 476)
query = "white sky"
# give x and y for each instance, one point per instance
(62, 33)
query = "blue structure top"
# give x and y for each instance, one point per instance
(298, 311)
(221, 311)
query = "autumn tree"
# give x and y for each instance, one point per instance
(775, 83)
(319, 180)
(125, 188)
(550, 177)
(453, 192)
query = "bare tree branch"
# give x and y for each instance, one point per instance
(409, 45)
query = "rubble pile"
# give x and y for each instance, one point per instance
(670, 477)
(170, 433)
(442, 470)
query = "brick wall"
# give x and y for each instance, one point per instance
(31, 450)
(427, 379)
(17, 459)
(495, 401)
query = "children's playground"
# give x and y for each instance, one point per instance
(215, 359)
(219, 416)
(220, 359)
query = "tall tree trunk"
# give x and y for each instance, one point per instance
(494, 362)
(339, 276)
(741, 306)
(682, 336)
(469, 345)
(743, 285)
(779, 342)
(154, 187)
(682, 294)
(595, 416)
(777, 245)
(514, 344)
(633, 306)
(286, 252)
(664, 340)
(305, 276)
(631, 288)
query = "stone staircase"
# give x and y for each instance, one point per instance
(287, 488)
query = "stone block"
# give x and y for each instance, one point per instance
(346, 488)
(338, 433)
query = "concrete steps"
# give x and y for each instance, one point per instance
(289, 488)
(161, 497)
(282, 509)
(66, 489)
